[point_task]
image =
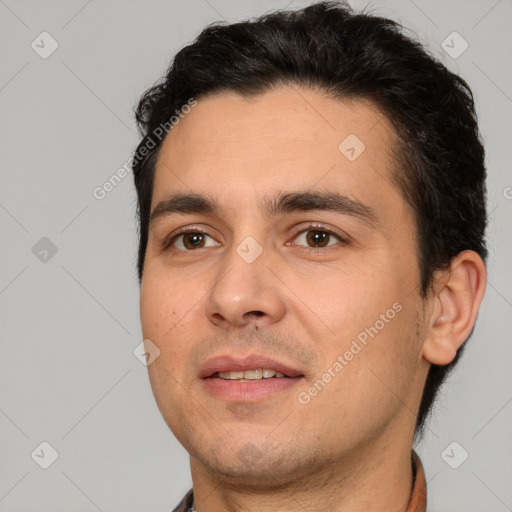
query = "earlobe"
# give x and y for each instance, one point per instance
(457, 295)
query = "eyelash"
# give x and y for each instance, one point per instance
(166, 245)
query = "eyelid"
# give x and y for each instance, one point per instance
(312, 226)
(343, 237)
(169, 240)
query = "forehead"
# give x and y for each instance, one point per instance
(290, 138)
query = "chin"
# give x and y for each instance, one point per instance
(242, 463)
(255, 475)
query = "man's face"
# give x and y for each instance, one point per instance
(299, 256)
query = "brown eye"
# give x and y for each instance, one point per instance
(318, 238)
(192, 240)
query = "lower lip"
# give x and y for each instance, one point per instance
(248, 391)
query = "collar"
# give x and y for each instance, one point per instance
(417, 503)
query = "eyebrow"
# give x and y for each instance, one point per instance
(281, 204)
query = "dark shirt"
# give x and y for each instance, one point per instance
(417, 503)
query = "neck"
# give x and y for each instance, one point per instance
(375, 474)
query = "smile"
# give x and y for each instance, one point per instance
(248, 375)
(248, 378)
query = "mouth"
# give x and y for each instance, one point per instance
(249, 378)
(250, 375)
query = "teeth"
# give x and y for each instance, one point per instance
(257, 374)
(253, 374)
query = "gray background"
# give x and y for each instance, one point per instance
(69, 320)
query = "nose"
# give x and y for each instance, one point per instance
(244, 293)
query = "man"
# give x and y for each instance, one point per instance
(312, 215)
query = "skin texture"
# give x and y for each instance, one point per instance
(349, 446)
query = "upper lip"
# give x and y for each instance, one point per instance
(229, 362)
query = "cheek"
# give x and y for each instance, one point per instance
(167, 311)
(346, 300)
(165, 302)
(368, 370)
(368, 318)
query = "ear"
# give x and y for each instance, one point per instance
(457, 295)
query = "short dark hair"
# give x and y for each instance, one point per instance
(348, 55)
